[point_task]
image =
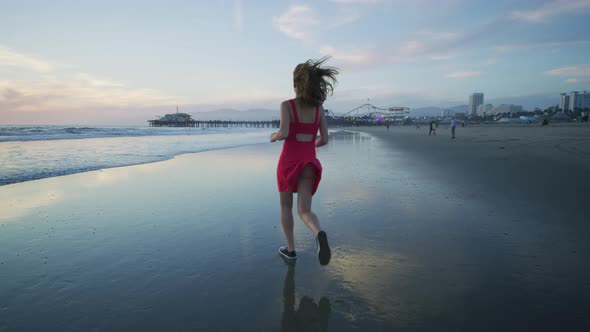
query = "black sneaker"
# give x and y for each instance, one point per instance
(286, 254)
(324, 253)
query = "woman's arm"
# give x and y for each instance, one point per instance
(284, 124)
(323, 139)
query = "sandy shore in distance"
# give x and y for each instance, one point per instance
(483, 233)
(548, 167)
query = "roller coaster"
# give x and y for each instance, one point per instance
(369, 112)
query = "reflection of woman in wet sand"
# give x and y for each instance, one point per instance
(309, 316)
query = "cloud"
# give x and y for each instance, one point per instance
(512, 47)
(12, 58)
(302, 22)
(550, 9)
(356, 58)
(58, 88)
(424, 44)
(353, 58)
(442, 57)
(41, 95)
(96, 81)
(577, 80)
(463, 74)
(438, 35)
(297, 22)
(579, 70)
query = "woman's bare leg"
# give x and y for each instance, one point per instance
(305, 185)
(287, 218)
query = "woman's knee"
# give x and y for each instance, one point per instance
(304, 212)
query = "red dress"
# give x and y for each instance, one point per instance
(297, 154)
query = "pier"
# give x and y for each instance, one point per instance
(214, 124)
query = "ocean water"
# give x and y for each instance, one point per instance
(36, 152)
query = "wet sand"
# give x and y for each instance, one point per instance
(427, 234)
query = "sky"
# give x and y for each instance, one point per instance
(120, 62)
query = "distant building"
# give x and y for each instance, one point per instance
(579, 100)
(176, 117)
(506, 108)
(564, 102)
(484, 109)
(446, 113)
(475, 99)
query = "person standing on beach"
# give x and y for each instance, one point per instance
(453, 125)
(432, 128)
(387, 124)
(298, 170)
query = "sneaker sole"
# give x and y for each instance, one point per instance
(324, 253)
(287, 257)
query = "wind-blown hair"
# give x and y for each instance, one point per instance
(313, 82)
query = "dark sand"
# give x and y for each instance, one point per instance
(428, 234)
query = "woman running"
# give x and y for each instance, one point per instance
(298, 169)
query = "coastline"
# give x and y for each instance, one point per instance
(31, 159)
(414, 247)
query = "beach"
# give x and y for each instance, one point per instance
(486, 232)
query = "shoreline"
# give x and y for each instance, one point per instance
(33, 160)
(131, 165)
(418, 242)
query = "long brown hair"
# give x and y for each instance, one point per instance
(313, 82)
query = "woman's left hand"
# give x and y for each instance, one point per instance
(272, 137)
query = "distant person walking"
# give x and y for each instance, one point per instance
(462, 123)
(298, 170)
(453, 125)
(432, 128)
(387, 124)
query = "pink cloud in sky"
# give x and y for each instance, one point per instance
(463, 74)
(550, 9)
(578, 70)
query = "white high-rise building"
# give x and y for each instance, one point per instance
(564, 102)
(475, 99)
(573, 100)
(579, 100)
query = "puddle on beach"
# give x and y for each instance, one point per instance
(191, 243)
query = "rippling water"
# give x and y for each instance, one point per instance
(36, 152)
